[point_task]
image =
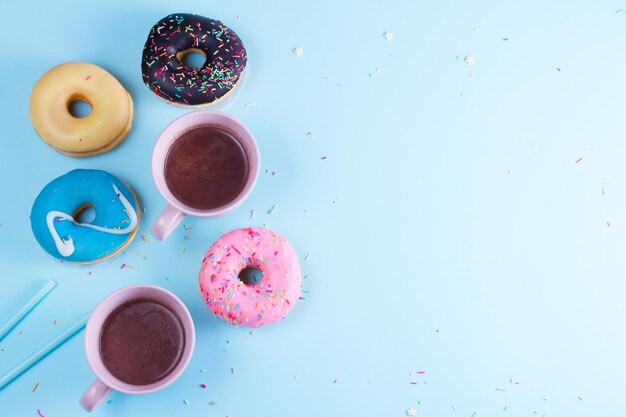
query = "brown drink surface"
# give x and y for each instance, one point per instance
(206, 167)
(141, 342)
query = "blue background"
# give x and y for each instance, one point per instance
(451, 230)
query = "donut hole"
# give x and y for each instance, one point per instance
(192, 58)
(79, 108)
(250, 275)
(85, 214)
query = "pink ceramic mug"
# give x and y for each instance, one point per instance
(175, 211)
(105, 382)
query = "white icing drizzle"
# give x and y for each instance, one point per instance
(66, 247)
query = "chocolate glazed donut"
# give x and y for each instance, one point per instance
(175, 36)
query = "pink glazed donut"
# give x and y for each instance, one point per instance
(250, 277)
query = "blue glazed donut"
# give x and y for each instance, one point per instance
(52, 217)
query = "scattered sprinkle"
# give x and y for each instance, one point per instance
(558, 69)
(203, 385)
(186, 402)
(309, 135)
(123, 266)
(212, 403)
(618, 11)
(335, 381)
(232, 371)
(20, 332)
(39, 412)
(203, 370)
(252, 213)
(251, 104)
(413, 382)
(183, 250)
(579, 159)
(469, 60)
(388, 36)
(474, 413)
(88, 78)
(298, 51)
(580, 398)
(306, 258)
(187, 227)
(505, 39)
(186, 237)
(273, 209)
(323, 157)
(604, 185)
(410, 411)
(144, 238)
(35, 387)
(500, 389)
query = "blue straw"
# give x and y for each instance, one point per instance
(19, 315)
(42, 352)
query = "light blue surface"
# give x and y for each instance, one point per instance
(26, 307)
(450, 230)
(43, 351)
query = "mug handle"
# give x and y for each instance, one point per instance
(167, 221)
(94, 395)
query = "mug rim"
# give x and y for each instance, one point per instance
(110, 380)
(157, 165)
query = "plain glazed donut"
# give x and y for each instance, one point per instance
(98, 132)
(54, 211)
(250, 277)
(176, 35)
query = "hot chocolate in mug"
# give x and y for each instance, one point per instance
(205, 163)
(138, 340)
